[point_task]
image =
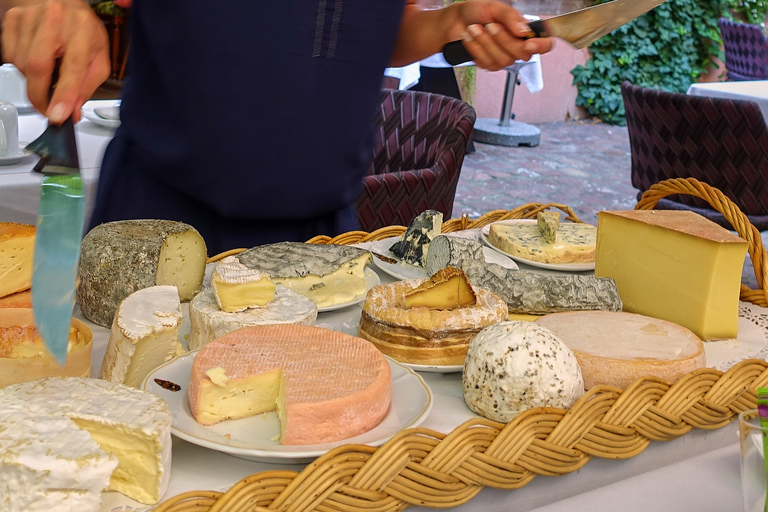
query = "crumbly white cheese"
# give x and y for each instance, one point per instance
(515, 366)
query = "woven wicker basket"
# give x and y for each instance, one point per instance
(427, 468)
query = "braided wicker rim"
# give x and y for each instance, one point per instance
(422, 467)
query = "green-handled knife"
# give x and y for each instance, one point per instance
(60, 221)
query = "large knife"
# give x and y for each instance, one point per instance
(60, 221)
(580, 28)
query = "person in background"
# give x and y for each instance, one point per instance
(251, 121)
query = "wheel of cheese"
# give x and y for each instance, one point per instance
(617, 348)
(325, 385)
(421, 335)
(119, 258)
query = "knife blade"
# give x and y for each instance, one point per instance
(580, 28)
(60, 222)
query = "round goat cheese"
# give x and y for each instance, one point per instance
(515, 366)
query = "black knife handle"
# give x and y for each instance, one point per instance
(454, 52)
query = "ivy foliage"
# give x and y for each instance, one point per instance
(754, 12)
(667, 48)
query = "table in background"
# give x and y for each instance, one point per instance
(755, 91)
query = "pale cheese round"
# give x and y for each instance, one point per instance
(617, 348)
(515, 366)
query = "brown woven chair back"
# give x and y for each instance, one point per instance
(419, 147)
(720, 142)
(746, 50)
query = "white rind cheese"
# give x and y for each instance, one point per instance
(515, 366)
(145, 334)
(208, 321)
(238, 287)
(64, 440)
(574, 242)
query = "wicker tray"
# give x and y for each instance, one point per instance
(427, 468)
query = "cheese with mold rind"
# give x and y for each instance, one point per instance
(413, 246)
(238, 287)
(17, 245)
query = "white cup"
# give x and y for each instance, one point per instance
(13, 86)
(9, 129)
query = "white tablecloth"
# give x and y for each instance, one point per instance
(756, 91)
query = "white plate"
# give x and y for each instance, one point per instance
(14, 159)
(24, 108)
(252, 438)
(401, 270)
(371, 279)
(568, 267)
(90, 114)
(432, 368)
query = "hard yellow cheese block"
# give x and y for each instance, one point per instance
(673, 265)
(449, 288)
(17, 244)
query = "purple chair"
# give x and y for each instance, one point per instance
(746, 50)
(723, 143)
(419, 147)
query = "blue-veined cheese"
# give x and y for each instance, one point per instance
(413, 246)
(574, 242)
(548, 224)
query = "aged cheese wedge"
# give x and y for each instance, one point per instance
(17, 244)
(515, 366)
(145, 334)
(413, 246)
(617, 348)
(238, 287)
(326, 274)
(449, 288)
(574, 242)
(674, 265)
(325, 385)
(118, 258)
(548, 224)
(64, 440)
(450, 251)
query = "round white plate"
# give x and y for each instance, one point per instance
(568, 267)
(90, 114)
(14, 159)
(431, 368)
(253, 438)
(404, 271)
(371, 279)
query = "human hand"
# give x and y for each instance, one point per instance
(495, 34)
(35, 36)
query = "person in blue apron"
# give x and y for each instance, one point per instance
(251, 121)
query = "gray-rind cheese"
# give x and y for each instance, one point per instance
(413, 246)
(119, 258)
(208, 321)
(515, 366)
(449, 251)
(529, 292)
(297, 259)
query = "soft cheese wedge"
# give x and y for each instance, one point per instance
(448, 288)
(17, 245)
(324, 385)
(574, 242)
(238, 287)
(145, 334)
(674, 265)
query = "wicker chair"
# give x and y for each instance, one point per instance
(720, 142)
(746, 50)
(419, 147)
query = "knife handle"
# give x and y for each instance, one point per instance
(454, 52)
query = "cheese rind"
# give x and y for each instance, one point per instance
(144, 335)
(450, 251)
(413, 246)
(17, 245)
(118, 258)
(325, 385)
(574, 242)
(616, 348)
(238, 287)
(674, 265)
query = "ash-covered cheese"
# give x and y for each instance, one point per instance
(118, 258)
(413, 246)
(515, 366)
(449, 251)
(574, 242)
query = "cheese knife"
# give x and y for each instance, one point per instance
(60, 221)
(580, 28)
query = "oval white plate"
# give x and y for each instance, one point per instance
(404, 271)
(371, 279)
(253, 438)
(90, 114)
(568, 267)
(14, 159)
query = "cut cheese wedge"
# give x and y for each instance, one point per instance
(616, 348)
(324, 385)
(573, 242)
(448, 288)
(17, 244)
(238, 287)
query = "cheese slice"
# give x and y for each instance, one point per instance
(574, 242)
(17, 245)
(144, 335)
(413, 246)
(548, 224)
(325, 385)
(616, 348)
(238, 287)
(674, 265)
(448, 288)
(64, 440)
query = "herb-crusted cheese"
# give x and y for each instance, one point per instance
(413, 247)
(515, 366)
(574, 242)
